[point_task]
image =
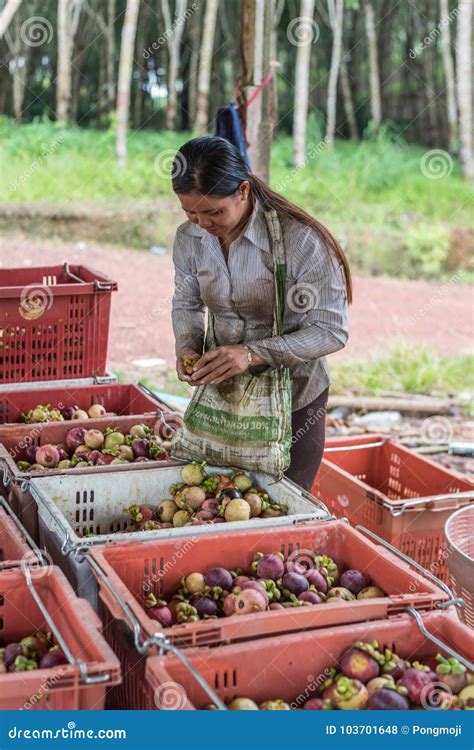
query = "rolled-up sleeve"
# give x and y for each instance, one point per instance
(317, 288)
(187, 310)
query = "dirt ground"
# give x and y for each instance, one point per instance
(438, 315)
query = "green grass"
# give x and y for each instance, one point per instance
(406, 369)
(374, 196)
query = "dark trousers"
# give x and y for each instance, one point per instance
(308, 428)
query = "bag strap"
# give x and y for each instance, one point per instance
(279, 269)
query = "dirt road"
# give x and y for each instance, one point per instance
(439, 315)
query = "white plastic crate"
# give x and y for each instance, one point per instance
(77, 511)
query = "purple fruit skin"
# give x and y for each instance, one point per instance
(295, 567)
(314, 704)
(276, 605)
(384, 699)
(310, 596)
(219, 577)
(354, 580)
(270, 566)
(414, 681)
(205, 607)
(358, 665)
(231, 493)
(68, 411)
(315, 578)
(30, 453)
(240, 580)
(141, 448)
(295, 583)
(162, 615)
(12, 650)
(75, 437)
(256, 586)
(52, 659)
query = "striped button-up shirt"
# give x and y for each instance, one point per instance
(240, 294)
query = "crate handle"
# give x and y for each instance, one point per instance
(72, 275)
(312, 498)
(153, 395)
(435, 640)
(467, 495)
(22, 530)
(85, 677)
(377, 444)
(158, 639)
(66, 546)
(442, 605)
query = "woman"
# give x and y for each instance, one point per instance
(223, 261)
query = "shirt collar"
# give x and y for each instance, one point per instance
(256, 230)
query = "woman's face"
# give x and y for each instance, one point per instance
(217, 215)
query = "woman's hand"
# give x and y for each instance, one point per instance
(220, 364)
(184, 364)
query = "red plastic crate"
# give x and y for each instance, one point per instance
(389, 490)
(161, 565)
(13, 545)
(54, 323)
(15, 487)
(123, 400)
(20, 616)
(292, 667)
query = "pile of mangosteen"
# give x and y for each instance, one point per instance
(271, 584)
(201, 498)
(83, 448)
(369, 677)
(33, 652)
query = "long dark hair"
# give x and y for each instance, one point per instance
(214, 166)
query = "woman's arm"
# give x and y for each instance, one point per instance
(187, 310)
(319, 290)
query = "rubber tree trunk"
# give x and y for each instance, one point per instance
(337, 23)
(110, 53)
(67, 23)
(63, 81)
(7, 14)
(194, 36)
(175, 33)
(449, 75)
(21, 58)
(464, 86)
(205, 64)
(374, 76)
(129, 32)
(348, 102)
(303, 36)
